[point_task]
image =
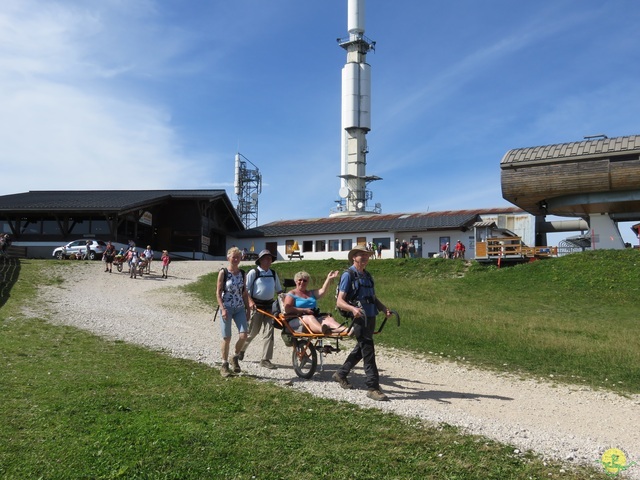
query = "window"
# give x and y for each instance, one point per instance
(79, 227)
(307, 246)
(361, 241)
(320, 245)
(288, 246)
(29, 226)
(99, 227)
(50, 227)
(385, 242)
(334, 245)
(346, 244)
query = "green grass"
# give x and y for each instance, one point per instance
(573, 318)
(77, 406)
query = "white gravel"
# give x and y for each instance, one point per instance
(572, 424)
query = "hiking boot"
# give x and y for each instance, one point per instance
(225, 371)
(268, 364)
(241, 355)
(376, 394)
(344, 383)
(236, 365)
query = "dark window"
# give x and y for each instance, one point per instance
(386, 242)
(50, 227)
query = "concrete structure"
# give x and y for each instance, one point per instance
(356, 117)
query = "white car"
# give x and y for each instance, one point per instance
(78, 247)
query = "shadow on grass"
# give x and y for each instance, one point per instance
(9, 272)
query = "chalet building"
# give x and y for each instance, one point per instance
(193, 223)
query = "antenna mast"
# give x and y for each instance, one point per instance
(248, 186)
(356, 117)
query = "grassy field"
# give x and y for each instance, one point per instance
(76, 406)
(573, 317)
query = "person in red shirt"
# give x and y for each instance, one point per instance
(459, 250)
(445, 250)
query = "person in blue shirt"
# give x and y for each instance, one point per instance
(356, 294)
(304, 303)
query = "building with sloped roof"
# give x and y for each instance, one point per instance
(191, 222)
(333, 237)
(203, 224)
(596, 179)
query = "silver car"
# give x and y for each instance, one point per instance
(79, 247)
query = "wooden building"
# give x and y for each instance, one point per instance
(597, 179)
(194, 223)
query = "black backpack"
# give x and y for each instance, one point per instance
(272, 275)
(352, 293)
(227, 275)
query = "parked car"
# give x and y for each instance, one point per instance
(78, 247)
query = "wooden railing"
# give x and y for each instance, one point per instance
(511, 247)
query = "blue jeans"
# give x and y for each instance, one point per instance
(364, 350)
(239, 316)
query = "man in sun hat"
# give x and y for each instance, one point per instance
(357, 295)
(262, 286)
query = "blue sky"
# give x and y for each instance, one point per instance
(125, 94)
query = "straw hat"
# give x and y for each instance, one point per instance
(358, 249)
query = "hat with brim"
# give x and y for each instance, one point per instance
(264, 253)
(357, 250)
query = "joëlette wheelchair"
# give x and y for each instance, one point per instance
(307, 344)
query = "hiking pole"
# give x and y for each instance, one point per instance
(216, 313)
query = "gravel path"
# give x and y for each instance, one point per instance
(573, 424)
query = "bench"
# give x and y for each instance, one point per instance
(296, 254)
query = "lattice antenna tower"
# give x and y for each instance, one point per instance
(248, 186)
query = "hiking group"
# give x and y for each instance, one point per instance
(241, 297)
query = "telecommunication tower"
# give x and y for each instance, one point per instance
(356, 117)
(248, 186)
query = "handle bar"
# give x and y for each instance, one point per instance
(393, 312)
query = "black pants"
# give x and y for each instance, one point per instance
(364, 350)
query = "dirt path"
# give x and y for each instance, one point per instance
(573, 424)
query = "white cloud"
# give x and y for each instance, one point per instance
(63, 124)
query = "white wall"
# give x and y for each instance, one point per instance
(430, 243)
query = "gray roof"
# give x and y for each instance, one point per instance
(398, 222)
(488, 224)
(96, 200)
(586, 149)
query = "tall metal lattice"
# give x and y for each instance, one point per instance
(248, 186)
